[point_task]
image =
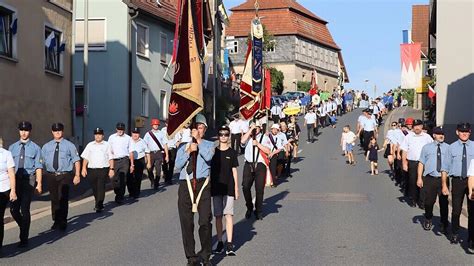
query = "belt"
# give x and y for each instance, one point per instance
(121, 158)
(435, 177)
(158, 151)
(459, 177)
(59, 173)
(198, 180)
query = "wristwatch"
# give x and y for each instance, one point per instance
(111, 169)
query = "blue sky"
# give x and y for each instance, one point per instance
(369, 33)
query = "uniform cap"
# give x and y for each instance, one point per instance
(99, 131)
(120, 126)
(438, 131)
(417, 122)
(155, 121)
(224, 128)
(276, 126)
(464, 127)
(136, 130)
(409, 121)
(201, 119)
(25, 125)
(57, 127)
(401, 120)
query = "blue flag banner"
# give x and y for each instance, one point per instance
(257, 54)
(14, 25)
(225, 67)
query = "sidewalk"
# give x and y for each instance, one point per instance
(404, 112)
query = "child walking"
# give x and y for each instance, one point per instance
(372, 155)
(347, 142)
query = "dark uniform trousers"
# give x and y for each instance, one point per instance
(432, 187)
(168, 167)
(186, 218)
(156, 160)
(134, 181)
(4, 198)
(20, 208)
(367, 135)
(122, 168)
(235, 141)
(58, 186)
(361, 138)
(97, 177)
(247, 181)
(276, 119)
(413, 189)
(458, 192)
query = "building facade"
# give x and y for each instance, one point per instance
(420, 34)
(298, 48)
(35, 66)
(130, 47)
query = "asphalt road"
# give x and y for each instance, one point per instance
(328, 213)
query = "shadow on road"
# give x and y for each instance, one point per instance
(244, 230)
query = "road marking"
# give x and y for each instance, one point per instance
(328, 197)
(300, 151)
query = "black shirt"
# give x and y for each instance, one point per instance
(222, 179)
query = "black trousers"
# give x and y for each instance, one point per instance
(248, 179)
(413, 189)
(4, 198)
(59, 186)
(156, 160)
(361, 138)
(97, 178)
(20, 208)
(274, 165)
(186, 218)
(288, 163)
(135, 179)
(119, 181)
(276, 119)
(235, 141)
(458, 193)
(311, 131)
(168, 167)
(432, 187)
(367, 135)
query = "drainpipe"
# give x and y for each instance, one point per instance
(132, 14)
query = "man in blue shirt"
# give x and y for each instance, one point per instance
(462, 152)
(60, 160)
(28, 168)
(194, 193)
(433, 168)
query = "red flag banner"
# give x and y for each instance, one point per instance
(268, 90)
(186, 98)
(411, 66)
(314, 83)
(431, 92)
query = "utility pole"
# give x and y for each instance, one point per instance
(214, 64)
(85, 73)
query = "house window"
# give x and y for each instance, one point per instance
(233, 47)
(7, 31)
(164, 104)
(96, 36)
(142, 40)
(52, 50)
(145, 94)
(164, 47)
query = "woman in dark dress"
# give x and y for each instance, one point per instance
(372, 156)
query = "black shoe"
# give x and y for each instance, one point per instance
(455, 239)
(23, 244)
(55, 226)
(427, 224)
(229, 249)
(444, 229)
(248, 214)
(99, 209)
(258, 216)
(470, 246)
(421, 205)
(412, 204)
(219, 248)
(119, 201)
(63, 227)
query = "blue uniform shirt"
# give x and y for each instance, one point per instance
(67, 156)
(203, 164)
(429, 157)
(456, 149)
(32, 156)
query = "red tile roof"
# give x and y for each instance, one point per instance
(420, 26)
(281, 17)
(167, 11)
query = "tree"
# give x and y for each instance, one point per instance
(304, 86)
(277, 80)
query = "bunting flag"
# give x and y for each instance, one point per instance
(431, 92)
(268, 173)
(411, 66)
(268, 90)
(14, 24)
(314, 83)
(252, 78)
(186, 98)
(223, 15)
(50, 41)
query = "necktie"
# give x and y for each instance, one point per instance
(56, 157)
(21, 162)
(464, 162)
(438, 159)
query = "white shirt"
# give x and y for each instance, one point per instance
(170, 142)
(185, 135)
(322, 110)
(470, 170)
(348, 137)
(369, 124)
(139, 148)
(275, 110)
(381, 106)
(412, 145)
(244, 126)
(263, 120)
(310, 118)
(398, 136)
(279, 139)
(6, 162)
(98, 154)
(235, 127)
(151, 142)
(249, 155)
(119, 145)
(392, 136)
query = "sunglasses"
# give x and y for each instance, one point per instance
(224, 134)
(394, 125)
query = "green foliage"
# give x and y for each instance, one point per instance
(409, 95)
(304, 86)
(277, 80)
